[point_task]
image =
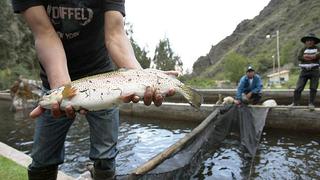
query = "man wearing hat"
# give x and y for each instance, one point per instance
(309, 64)
(249, 89)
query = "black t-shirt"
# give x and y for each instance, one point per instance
(80, 26)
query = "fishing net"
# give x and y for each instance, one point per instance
(246, 121)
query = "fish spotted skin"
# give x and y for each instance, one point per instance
(105, 90)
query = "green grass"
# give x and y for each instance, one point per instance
(10, 170)
(201, 82)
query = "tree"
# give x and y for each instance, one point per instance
(164, 57)
(17, 54)
(235, 65)
(141, 54)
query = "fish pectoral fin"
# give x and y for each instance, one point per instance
(69, 91)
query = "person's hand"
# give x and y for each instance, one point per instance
(309, 57)
(151, 94)
(237, 102)
(249, 95)
(56, 112)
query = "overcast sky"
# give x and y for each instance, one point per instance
(191, 26)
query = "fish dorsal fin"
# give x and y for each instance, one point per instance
(69, 92)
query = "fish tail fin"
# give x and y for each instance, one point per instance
(193, 97)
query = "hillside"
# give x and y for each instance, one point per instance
(17, 54)
(293, 19)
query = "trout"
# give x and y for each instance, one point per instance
(105, 90)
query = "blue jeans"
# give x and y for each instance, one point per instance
(50, 134)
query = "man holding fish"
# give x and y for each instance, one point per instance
(76, 39)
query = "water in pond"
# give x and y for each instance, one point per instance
(282, 154)
(139, 140)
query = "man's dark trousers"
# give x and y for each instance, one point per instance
(305, 74)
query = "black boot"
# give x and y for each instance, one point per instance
(45, 173)
(99, 174)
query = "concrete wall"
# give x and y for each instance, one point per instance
(282, 117)
(282, 96)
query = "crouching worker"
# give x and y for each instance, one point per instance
(249, 89)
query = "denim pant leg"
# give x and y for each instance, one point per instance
(49, 137)
(104, 127)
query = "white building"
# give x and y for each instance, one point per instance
(278, 77)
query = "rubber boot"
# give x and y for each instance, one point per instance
(100, 174)
(45, 173)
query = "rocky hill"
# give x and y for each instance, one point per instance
(293, 19)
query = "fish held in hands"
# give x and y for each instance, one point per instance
(105, 90)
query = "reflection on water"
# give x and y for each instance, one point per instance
(282, 155)
(139, 140)
(294, 156)
(226, 161)
(15, 129)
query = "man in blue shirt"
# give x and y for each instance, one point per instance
(249, 89)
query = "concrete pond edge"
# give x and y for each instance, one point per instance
(23, 159)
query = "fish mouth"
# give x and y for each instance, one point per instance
(45, 103)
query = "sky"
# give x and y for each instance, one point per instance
(192, 27)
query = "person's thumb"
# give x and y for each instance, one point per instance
(36, 112)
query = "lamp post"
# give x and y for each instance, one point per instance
(278, 51)
(273, 64)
